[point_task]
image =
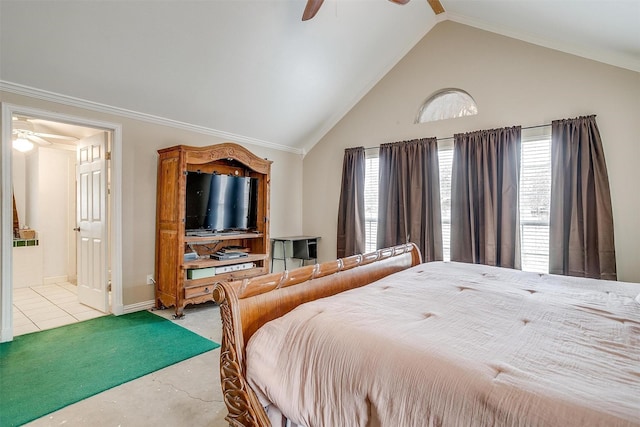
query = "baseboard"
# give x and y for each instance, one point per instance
(6, 334)
(139, 306)
(54, 279)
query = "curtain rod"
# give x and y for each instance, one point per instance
(451, 137)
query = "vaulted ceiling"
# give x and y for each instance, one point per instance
(252, 70)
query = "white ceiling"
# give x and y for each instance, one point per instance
(46, 133)
(251, 70)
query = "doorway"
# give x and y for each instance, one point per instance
(54, 208)
(45, 286)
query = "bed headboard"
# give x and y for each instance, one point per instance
(248, 304)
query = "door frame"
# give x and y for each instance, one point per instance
(6, 208)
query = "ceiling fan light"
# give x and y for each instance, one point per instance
(23, 145)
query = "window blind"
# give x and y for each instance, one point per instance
(371, 202)
(535, 197)
(445, 159)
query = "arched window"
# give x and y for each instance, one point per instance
(447, 104)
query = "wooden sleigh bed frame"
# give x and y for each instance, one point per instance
(248, 304)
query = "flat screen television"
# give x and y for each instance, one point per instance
(219, 203)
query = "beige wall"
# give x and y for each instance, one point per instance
(513, 83)
(140, 142)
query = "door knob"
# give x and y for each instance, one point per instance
(76, 229)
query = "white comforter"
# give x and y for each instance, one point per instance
(449, 344)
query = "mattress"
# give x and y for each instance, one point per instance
(452, 344)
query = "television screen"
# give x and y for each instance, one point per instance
(220, 202)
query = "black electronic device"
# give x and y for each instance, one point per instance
(218, 203)
(222, 255)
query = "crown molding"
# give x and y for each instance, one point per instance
(71, 101)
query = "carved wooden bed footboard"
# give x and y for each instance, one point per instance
(248, 304)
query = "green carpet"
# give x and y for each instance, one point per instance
(45, 371)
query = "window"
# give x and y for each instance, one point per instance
(371, 201)
(445, 159)
(447, 104)
(535, 196)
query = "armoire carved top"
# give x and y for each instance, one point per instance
(226, 150)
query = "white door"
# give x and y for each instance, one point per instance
(91, 178)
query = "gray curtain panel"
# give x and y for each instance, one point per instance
(351, 229)
(409, 197)
(581, 222)
(485, 220)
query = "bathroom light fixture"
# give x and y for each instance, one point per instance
(22, 144)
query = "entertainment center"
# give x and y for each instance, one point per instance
(212, 221)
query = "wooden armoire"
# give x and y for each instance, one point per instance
(185, 268)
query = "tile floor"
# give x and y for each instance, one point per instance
(48, 306)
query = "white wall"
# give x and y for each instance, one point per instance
(31, 173)
(513, 83)
(43, 182)
(53, 213)
(19, 183)
(27, 261)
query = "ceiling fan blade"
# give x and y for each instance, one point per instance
(311, 9)
(400, 1)
(54, 136)
(19, 125)
(38, 140)
(436, 6)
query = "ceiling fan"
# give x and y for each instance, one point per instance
(25, 134)
(314, 5)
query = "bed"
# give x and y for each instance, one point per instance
(382, 339)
